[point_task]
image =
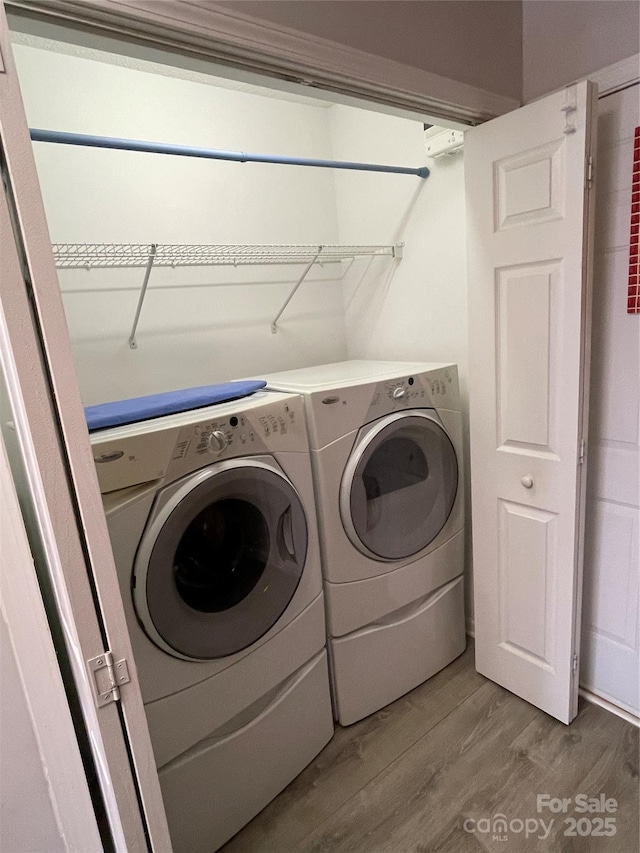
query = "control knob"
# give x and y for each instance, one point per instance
(398, 393)
(218, 441)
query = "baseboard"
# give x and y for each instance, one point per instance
(607, 704)
(610, 706)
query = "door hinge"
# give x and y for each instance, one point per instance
(583, 450)
(107, 677)
(574, 662)
(589, 171)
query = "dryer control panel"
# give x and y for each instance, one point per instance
(437, 389)
(334, 411)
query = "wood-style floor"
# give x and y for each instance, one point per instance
(458, 748)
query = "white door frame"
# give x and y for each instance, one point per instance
(617, 76)
(611, 79)
(295, 60)
(61, 482)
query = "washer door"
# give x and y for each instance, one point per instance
(399, 485)
(221, 560)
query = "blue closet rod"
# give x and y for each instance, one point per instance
(211, 153)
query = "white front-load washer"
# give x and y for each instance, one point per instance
(212, 520)
(386, 449)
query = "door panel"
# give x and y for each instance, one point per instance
(529, 187)
(527, 562)
(529, 332)
(527, 307)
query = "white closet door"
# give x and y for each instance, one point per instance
(528, 212)
(60, 481)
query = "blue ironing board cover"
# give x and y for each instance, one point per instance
(137, 409)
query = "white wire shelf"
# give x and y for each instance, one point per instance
(122, 255)
(103, 255)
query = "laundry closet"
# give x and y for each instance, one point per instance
(303, 265)
(395, 290)
(180, 271)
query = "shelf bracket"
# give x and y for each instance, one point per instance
(274, 324)
(152, 256)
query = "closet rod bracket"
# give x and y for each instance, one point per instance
(133, 344)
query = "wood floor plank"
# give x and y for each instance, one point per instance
(458, 747)
(355, 756)
(399, 808)
(547, 757)
(616, 776)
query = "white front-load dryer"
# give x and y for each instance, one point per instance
(386, 448)
(212, 521)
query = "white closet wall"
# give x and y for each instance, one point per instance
(198, 325)
(416, 308)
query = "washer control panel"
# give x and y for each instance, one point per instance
(174, 445)
(276, 426)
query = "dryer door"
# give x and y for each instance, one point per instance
(221, 559)
(399, 485)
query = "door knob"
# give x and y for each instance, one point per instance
(527, 482)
